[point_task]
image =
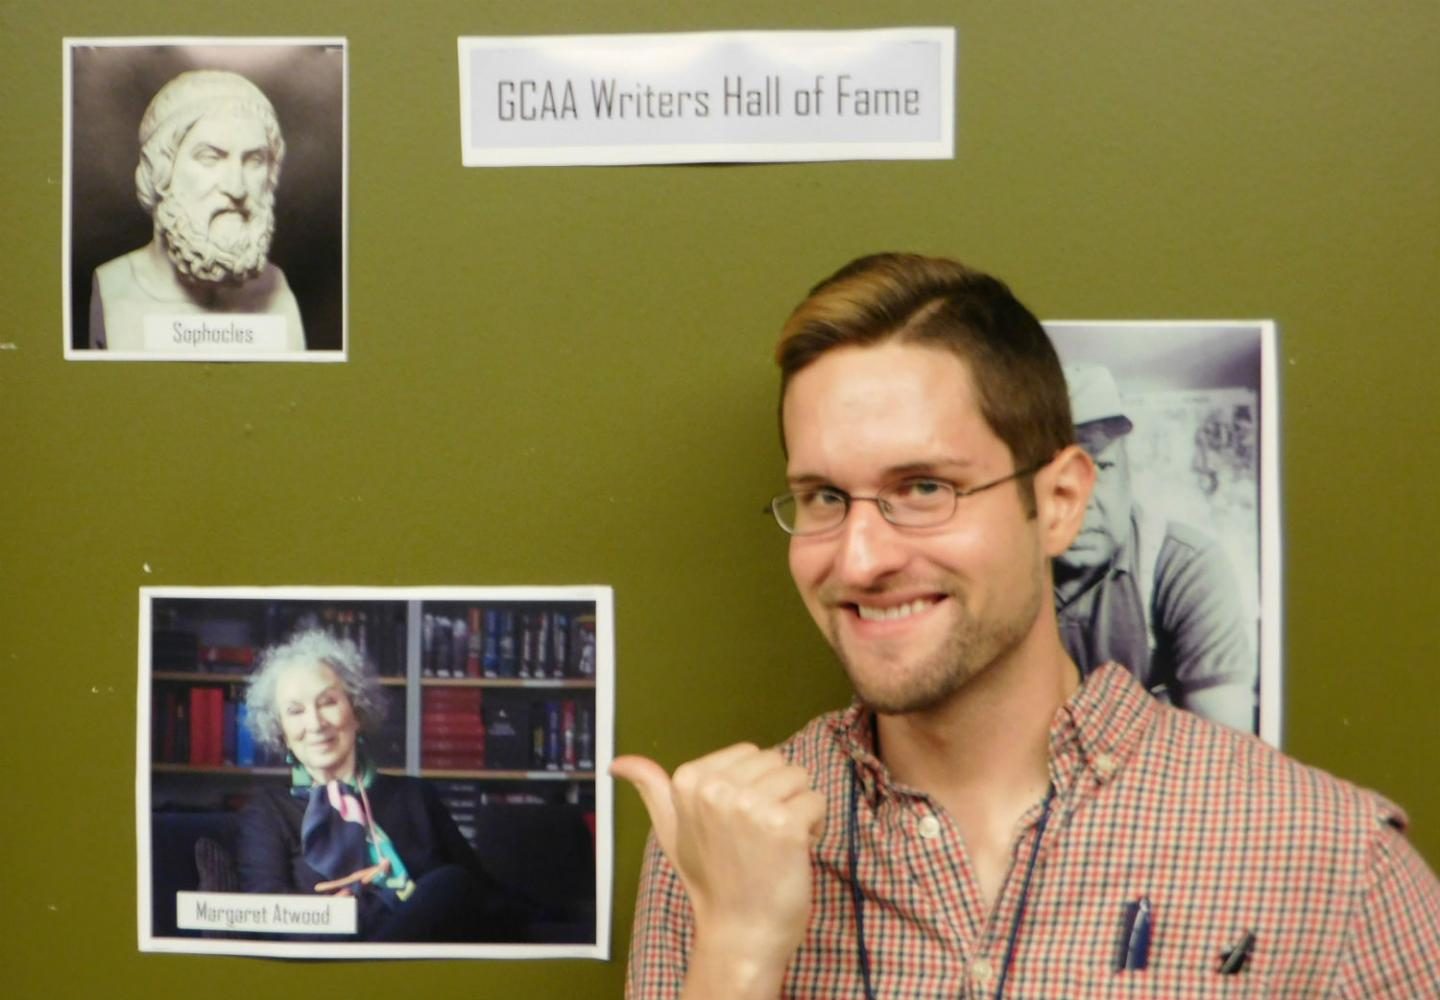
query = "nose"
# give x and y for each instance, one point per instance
(870, 547)
(232, 179)
(1094, 509)
(312, 719)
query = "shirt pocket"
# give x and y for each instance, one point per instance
(1167, 984)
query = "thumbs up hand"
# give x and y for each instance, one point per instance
(737, 825)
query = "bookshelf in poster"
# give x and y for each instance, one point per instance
(202, 655)
(474, 731)
(506, 689)
(498, 641)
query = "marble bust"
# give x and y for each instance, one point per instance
(210, 155)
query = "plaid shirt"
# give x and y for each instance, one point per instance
(1220, 832)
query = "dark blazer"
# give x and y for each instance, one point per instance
(407, 809)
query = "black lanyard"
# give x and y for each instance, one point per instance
(852, 850)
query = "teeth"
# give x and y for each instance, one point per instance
(890, 614)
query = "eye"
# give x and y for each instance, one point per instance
(920, 489)
(822, 498)
(293, 709)
(921, 494)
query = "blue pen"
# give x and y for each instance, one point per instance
(1133, 950)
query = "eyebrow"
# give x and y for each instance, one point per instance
(931, 467)
(205, 145)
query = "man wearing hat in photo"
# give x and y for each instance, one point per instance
(1156, 596)
(210, 154)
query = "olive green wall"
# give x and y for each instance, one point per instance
(562, 375)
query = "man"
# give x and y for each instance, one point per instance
(979, 822)
(210, 154)
(1159, 597)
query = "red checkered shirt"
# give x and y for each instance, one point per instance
(1219, 831)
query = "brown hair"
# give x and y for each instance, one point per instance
(942, 303)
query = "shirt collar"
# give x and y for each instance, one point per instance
(1094, 733)
(854, 731)
(1097, 730)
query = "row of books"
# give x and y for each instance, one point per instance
(507, 642)
(462, 730)
(379, 635)
(204, 725)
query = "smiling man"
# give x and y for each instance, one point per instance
(980, 823)
(210, 155)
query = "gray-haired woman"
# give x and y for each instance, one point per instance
(342, 828)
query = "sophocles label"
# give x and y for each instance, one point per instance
(219, 333)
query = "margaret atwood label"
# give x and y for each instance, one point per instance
(264, 913)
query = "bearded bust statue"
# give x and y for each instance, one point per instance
(210, 154)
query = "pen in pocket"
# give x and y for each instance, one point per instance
(1133, 949)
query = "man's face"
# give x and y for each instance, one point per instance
(217, 211)
(221, 170)
(912, 613)
(1107, 517)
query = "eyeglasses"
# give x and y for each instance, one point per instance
(911, 503)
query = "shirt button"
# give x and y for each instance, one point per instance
(929, 827)
(981, 972)
(1105, 765)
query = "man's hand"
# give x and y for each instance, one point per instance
(738, 826)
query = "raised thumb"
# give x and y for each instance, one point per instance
(653, 784)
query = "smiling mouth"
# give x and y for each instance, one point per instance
(894, 612)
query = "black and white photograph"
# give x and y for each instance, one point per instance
(205, 199)
(1176, 571)
(375, 772)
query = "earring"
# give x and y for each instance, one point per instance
(289, 758)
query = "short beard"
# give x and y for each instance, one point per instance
(966, 652)
(199, 260)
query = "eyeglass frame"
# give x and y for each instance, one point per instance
(957, 494)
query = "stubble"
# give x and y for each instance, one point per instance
(895, 679)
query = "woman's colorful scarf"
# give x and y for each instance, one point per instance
(341, 840)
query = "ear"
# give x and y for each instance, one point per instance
(1062, 491)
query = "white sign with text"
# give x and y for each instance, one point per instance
(228, 334)
(708, 97)
(268, 913)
